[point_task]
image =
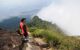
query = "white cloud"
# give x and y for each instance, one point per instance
(66, 14)
(10, 8)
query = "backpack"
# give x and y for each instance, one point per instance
(19, 31)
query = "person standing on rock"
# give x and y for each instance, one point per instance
(24, 28)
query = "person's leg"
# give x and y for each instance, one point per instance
(26, 34)
(26, 37)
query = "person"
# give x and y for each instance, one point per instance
(24, 28)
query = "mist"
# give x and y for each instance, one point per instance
(65, 13)
(10, 8)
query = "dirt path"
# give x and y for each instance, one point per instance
(30, 45)
(35, 44)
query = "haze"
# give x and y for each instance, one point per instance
(65, 13)
(10, 8)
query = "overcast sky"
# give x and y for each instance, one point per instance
(15, 7)
(65, 13)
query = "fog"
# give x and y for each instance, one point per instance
(10, 8)
(65, 13)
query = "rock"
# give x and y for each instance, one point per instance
(8, 40)
(41, 43)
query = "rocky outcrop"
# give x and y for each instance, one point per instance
(9, 40)
(12, 41)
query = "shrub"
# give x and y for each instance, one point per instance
(57, 40)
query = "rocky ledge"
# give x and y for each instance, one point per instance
(9, 40)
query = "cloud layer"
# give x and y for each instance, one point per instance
(65, 13)
(10, 8)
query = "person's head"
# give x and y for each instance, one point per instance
(23, 20)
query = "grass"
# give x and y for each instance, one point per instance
(57, 40)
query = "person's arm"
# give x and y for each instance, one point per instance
(27, 28)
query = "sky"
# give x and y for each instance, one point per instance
(10, 8)
(65, 13)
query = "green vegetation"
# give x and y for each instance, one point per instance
(53, 35)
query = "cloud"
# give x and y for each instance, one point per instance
(10, 8)
(65, 13)
(21, 5)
